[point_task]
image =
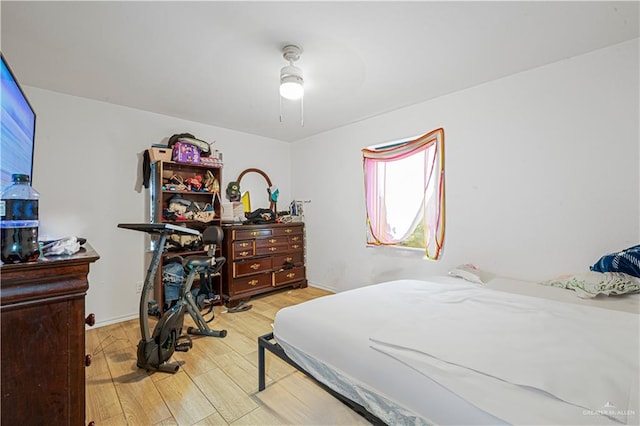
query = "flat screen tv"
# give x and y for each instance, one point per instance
(17, 134)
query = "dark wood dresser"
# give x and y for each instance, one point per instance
(43, 357)
(262, 258)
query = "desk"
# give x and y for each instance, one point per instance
(43, 345)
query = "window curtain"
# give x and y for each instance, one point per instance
(421, 199)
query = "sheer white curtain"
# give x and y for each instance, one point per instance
(404, 186)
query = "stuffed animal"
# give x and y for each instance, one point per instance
(233, 191)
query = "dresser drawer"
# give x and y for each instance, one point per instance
(251, 266)
(273, 249)
(295, 239)
(274, 240)
(280, 260)
(288, 276)
(288, 230)
(241, 285)
(245, 234)
(295, 246)
(243, 249)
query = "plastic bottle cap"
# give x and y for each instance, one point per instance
(19, 177)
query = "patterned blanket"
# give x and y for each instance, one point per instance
(626, 261)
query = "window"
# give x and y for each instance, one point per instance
(404, 190)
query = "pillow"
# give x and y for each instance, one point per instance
(471, 273)
(626, 261)
(592, 283)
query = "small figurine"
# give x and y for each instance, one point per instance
(273, 194)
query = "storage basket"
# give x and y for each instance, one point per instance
(160, 154)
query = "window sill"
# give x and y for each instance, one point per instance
(408, 252)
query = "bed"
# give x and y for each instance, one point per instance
(446, 351)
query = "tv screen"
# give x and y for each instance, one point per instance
(17, 134)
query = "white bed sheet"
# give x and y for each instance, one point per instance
(330, 338)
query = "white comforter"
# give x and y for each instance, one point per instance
(548, 360)
(447, 352)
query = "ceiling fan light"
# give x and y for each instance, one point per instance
(291, 87)
(291, 81)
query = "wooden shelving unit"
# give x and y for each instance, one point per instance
(164, 178)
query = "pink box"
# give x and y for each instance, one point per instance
(185, 153)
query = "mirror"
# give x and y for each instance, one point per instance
(257, 183)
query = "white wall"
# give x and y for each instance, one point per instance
(541, 175)
(87, 171)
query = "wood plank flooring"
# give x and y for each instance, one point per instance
(217, 383)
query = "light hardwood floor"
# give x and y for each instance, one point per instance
(217, 383)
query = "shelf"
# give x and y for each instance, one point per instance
(174, 164)
(185, 192)
(189, 253)
(182, 253)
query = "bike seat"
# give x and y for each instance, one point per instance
(196, 262)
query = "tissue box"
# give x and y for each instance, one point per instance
(185, 153)
(232, 212)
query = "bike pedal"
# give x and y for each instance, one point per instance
(152, 309)
(183, 347)
(183, 344)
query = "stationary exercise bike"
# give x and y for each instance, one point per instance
(154, 350)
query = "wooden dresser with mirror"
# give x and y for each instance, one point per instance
(261, 257)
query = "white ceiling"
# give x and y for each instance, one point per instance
(219, 62)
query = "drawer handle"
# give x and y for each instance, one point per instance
(288, 259)
(272, 240)
(244, 244)
(295, 238)
(87, 360)
(255, 266)
(291, 274)
(288, 231)
(244, 253)
(253, 282)
(90, 320)
(295, 246)
(255, 233)
(273, 248)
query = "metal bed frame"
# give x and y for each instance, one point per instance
(267, 342)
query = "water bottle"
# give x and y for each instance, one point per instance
(19, 224)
